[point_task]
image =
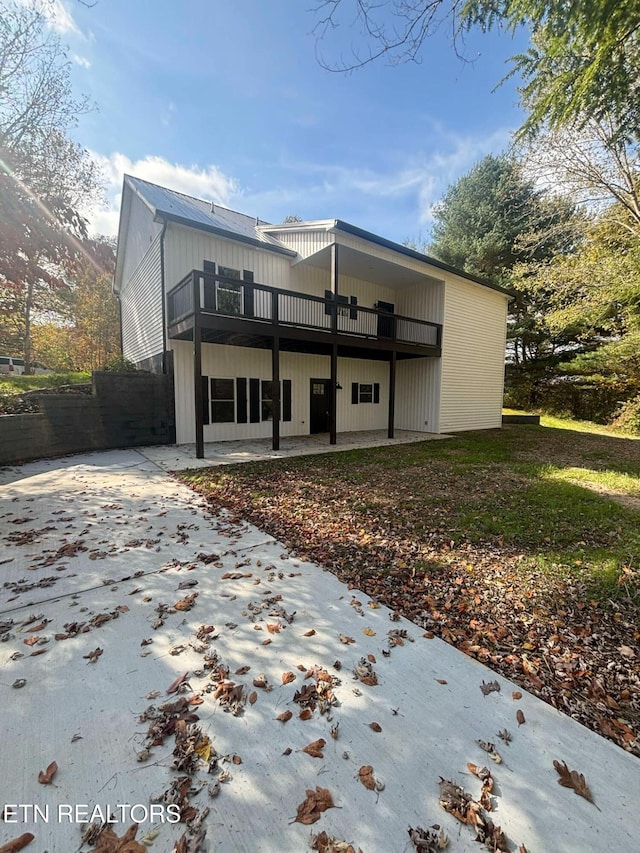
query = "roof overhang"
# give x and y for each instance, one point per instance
(361, 265)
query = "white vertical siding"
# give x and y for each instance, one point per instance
(473, 349)
(418, 394)
(141, 300)
(424, 301)
(360, 416)
(228, 362)
(184, 397)
(187, 248)
(141, 233)
(305, 243)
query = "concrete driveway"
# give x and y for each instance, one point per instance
(172, 661)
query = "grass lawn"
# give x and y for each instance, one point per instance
(13, 387)
(520, 546)
(20, 384)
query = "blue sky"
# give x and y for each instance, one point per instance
(225, 100)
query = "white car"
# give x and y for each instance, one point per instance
(11, 366)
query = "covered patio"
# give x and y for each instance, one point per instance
(182, 456)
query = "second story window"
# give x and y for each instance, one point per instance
(229, 294)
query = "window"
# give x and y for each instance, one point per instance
(222, 401)
(266, 401)
(227, 297)
(228, 294)
(368, 392)
(346, 305)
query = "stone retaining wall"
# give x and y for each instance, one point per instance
(124, 410)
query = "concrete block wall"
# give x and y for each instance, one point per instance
(124, 410)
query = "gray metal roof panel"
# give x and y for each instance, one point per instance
(189, 210)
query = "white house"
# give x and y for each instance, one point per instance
(306, 327)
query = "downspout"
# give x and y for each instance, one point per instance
(164, 299)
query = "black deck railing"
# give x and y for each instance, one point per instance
(207, 294)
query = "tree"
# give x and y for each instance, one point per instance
(84, 331)
(494, 217)
(582, 61)
(493, 221)
(35, 83)
(590, 163)
(45, 178)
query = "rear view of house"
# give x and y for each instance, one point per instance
(301, 328)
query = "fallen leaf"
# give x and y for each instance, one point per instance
(274, 627)
(186, 603)
(345, 640)
(109, 842)
(314, 749)
(253, 697)
(266, 642)
(430, 840)
(489, 687)
(520, 717)
(18, 843)
(173, 687)
(45, 776)
(306, 714)
(375, 726)
(371, 658)
(311, 808)
(442, 681)
(573, 779)
(368, 632)
(365, 775)
(284, 717)
(516, 695)
(93, 656)
(242, 670)
(236, 759)
(288, 677)
(309, 633)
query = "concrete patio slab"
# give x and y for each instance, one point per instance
(85, 714)
(180, 457)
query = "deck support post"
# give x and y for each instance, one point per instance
(275, 398)
(333, 396)
(197, 390)
(392, 393)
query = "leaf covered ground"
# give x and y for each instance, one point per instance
(520, 546)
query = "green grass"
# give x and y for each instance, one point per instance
(561, 497)
(19, 384)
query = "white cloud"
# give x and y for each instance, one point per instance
(82, 61)
(167, 117)
(405, 192)
(394, 201)
(209, 183)
(60, 18)
(57, 15)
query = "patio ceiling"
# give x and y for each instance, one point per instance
(367, 267)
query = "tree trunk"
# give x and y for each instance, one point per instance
(27, 329)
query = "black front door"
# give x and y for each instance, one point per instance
(319, 411)
(385, 323)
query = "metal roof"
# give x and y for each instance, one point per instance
(207, 215)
